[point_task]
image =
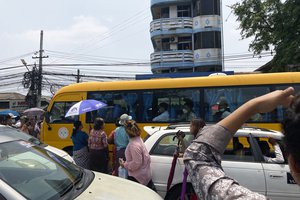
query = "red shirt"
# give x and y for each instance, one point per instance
(97, 139)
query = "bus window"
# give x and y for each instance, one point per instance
(247, 93)
(118, 103)
(177, 100)
(146, 110)
(58, 112)
(280, 109)
(232, 98)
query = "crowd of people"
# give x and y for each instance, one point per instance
(202, 158)
(29, 125)
(90, 151)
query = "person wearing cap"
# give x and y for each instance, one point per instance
(223, 110)
(121, 139)
(8, 119)
(137, 157)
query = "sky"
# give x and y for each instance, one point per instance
(92, 31)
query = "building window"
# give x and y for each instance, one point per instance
(165, 12)
(165, 43)
(4, 105)
(208, 39)
(206, 7)
(184, 43)
(184, 11)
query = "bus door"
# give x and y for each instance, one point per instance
(56, 128)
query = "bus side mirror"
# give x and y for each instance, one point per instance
(47, 117)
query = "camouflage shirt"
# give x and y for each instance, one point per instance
(203, 162)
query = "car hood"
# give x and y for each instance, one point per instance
(107, 187)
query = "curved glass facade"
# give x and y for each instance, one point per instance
(186, 36)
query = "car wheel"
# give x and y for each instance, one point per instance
(175, 193)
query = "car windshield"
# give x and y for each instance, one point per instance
(35, 172)
(15, 133)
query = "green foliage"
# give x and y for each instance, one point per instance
(274, 25)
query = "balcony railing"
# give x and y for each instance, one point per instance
(172, 56)
(171, 23)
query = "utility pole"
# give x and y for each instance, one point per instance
(78, 76)
(40, 71)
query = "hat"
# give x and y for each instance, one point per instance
(124, 118)
(222, 101)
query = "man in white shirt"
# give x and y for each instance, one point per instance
(265, 148)
(164, 114)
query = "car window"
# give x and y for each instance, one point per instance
(239, 149)
(270, 151)
(168, 143)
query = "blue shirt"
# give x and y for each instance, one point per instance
(121, 138)
(80, 140)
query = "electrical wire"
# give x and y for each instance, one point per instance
(114, 29)
(16, 57)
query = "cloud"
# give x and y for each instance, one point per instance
(81, 32)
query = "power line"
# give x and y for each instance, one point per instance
(114, 29)
(13, 67)
(16, 57)
(88, 76)
(94, 57)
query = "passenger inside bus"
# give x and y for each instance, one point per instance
(223, 110)
(187, 111)
(163, 113)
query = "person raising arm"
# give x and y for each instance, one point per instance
(203, 157)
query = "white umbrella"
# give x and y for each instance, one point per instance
(33, 112)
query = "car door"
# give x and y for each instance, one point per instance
(161, 161)
(243, 166)
(279, 182)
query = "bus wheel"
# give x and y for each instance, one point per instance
(175, 193)
(69, 150)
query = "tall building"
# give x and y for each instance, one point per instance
(186, 36)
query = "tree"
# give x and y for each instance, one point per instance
(274, 25)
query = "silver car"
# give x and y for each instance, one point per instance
(29, 171)
(249, 168)
(16, 133)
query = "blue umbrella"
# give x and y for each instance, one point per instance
(85, 106)
(6, 112)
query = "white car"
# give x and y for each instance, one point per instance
(249, 168)
(28, 171)
(16, 133)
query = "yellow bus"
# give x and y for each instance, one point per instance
(141, 99)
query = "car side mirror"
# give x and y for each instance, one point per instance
(47, 117)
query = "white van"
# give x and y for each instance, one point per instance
(29, 171)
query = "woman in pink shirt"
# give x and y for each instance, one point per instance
(137, 157)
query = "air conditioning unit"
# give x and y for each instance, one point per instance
(173, 40)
